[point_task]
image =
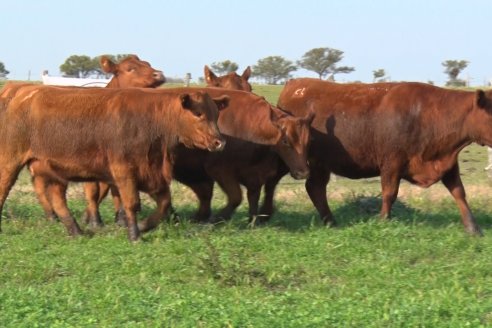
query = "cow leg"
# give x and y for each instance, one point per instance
(163, 202)
(130, 199)
(8, 175)
(58, 192)
(390, 184)
(253, 194)
(232, 189)
(204, 192)
(91, 214)
(453, 183)
(316, 188)
(120, 214)
(267, 208)
(40, 187)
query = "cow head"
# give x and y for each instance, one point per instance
(198, 124)
(292, 145)
(231, 81)
(131, 72)
(482, 119)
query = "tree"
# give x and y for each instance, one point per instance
(453, 68)
(224, 67)
(3, 71)
(273, 69)
(79, 66)
(324, 61)
(379, 75)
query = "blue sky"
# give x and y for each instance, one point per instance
(409, 39)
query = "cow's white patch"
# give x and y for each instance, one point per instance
(299, 92)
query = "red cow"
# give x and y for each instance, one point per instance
(122, 137)
(410, 131)
(129, 72)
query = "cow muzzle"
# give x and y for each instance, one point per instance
(217, 145)
(300, 174)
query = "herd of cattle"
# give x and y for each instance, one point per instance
(132, 136)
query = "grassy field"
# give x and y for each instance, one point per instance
(418, 270)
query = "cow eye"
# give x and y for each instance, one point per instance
(285, 142)
(197, 114)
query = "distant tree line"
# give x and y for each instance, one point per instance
(272, 69)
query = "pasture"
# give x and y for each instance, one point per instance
(419, 269)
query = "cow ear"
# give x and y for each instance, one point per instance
(222, 102)
(246, 73)
(276, 119)
(107, 65)
(311, 114)
(482, 100)
(210, 77)
(185, 100)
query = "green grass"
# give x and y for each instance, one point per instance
(418, 270)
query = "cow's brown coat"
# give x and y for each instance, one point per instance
(410, 131)
(121, 137)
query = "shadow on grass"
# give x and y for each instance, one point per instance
(359, 209)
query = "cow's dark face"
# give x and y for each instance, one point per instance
(198, 123)
(132, 72)
(293, 143)
(231, 81)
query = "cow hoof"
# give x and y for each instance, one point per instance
(330, 223)
(52, 218)
(134, 234)
(75, 231)
(120, 219)
(474, 231)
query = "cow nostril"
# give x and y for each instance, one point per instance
(219, 144)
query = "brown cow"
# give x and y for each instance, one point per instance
(231, 81)
(129, 72)
(410, 131)
(121, 137)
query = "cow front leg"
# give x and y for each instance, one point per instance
(390, 184)
(119, 214)
(8, 175)
(316, 188)
(253, 194)
(453, 183)
(267, 208)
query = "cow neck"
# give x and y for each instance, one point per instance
(113, 83)
(251, 123)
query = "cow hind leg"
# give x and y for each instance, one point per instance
(120, 213)
(204, 192)
(232, 189)
(130, 199)
(453, 183)
(316, 188)
(91, 214)
(57, 192)
(163, 202)
(41, 189)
